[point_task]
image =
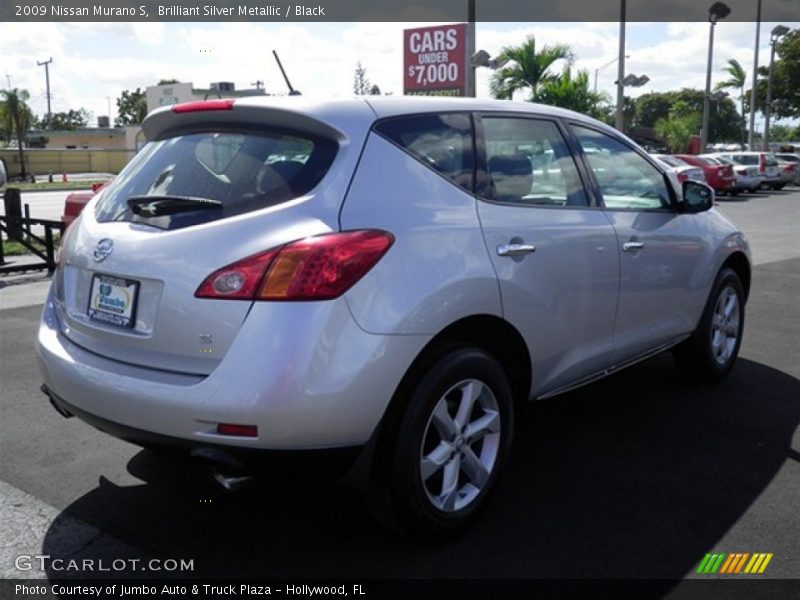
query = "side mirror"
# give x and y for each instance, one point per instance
(697, 196)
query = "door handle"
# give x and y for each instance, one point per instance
(515, 249)
(631, 246)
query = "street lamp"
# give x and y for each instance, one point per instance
(717, 11)
(608, 64)
(777, 31)
(483, 59)
(631, 80)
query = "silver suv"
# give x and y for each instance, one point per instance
(377, 283)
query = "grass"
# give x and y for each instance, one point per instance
(83, 184)
(15, 248)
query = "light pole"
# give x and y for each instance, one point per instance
(46, 65)
(777, 31)
(608, 64)
(470, 83)
(751, 131)
(620, 121)
(718, 10)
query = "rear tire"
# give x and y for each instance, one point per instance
(710, 353)
(444, 451)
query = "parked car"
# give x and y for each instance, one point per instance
(683, 170)
(766, 163)
(720, 177)
(747, 177)
(75, 202)
(376, 282)
(790, 170)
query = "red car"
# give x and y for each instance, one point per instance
(74, 203)
(720, 177)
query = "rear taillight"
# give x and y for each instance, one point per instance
(203, 105)
(762, 164)
(316, 268)
(682, 177)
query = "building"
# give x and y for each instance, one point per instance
(175, 93)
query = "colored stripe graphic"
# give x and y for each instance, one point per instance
(726, 567)
(733, 564)
(703, 563)
(740, 564)
(765, 563)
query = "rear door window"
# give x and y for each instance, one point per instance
(199, 177)
(443, 142)
(528, 162)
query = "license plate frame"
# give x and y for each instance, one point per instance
(106, 292)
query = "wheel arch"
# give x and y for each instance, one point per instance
(490, 333)
(739, 263)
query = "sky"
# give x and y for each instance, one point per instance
(94, 62)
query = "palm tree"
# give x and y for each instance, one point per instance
(571, 92)
(17, 118)
(737, 80)
(528, 69)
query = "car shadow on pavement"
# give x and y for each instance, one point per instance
(637, 476)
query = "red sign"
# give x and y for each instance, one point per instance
(434, 60)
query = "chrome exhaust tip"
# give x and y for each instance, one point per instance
(224, 469)
(231, 483)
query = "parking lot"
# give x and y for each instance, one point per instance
(638, 476)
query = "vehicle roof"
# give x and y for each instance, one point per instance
(345, 114)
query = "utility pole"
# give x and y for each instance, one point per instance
(752, 130)
(471, 85)
(46, 65)
(620, 120)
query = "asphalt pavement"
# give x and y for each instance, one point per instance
(637, 476)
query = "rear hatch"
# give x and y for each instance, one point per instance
(211, 188)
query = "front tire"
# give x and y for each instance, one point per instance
(446, 447)
(710, 353)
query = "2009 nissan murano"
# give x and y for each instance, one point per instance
(377, 283)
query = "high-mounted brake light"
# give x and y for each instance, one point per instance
(203, 105)
(316, 268)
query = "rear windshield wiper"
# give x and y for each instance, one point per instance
(156, 206)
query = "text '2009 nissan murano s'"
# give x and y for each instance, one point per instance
(377, 282)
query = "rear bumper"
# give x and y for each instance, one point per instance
(331, 461)
(314, 381)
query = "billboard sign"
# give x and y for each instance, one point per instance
(435, 60)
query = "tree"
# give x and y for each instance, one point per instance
(782, 133)
(737, 80)
(571, 92)
(131, 108)
(785, 79)
(361, 84)
(723, 123)
(17, 118)
(70, 120)
(677, 131)
(527, 69)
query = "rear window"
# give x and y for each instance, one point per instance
(443, 142)
(200, 177)
(672, 161)
(746, 159)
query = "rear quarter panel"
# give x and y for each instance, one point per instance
(438, 270)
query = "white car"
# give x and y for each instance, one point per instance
(683, 170)
(747, 176)
(376, 282)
